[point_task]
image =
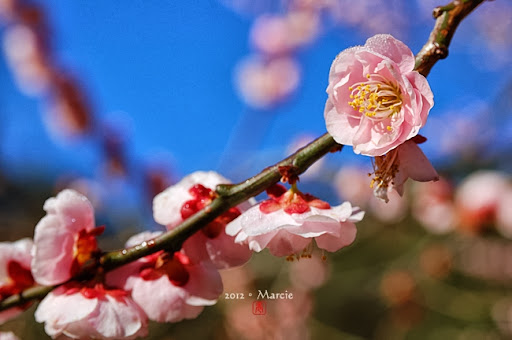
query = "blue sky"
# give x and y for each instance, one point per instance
(163, 72)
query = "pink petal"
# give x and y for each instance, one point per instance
(387, 45)
(414, 164)
(59, 309)
(195, 248)
(118, 319)
(54, 236)
(53, 251)
(225, 253)
(73, 209)
(346, 235)
(284, 243)
(204, 285)
(160, 299)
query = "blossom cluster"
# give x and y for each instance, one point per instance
(164, 286)
(376, 103)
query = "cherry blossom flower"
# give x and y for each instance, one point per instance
(376, 101)
(289, 220)
(191, 194)
(65, 239)
(169, 288)
(91, 312)
(15, 273)
(395, 167)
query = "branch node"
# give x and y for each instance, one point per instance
(441, 50)
(223, 189)
(436, 13)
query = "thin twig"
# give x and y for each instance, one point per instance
(447, 20)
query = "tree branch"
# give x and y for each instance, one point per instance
(447, 20)
(436, 48)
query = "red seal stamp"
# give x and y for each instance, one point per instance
(259, 307)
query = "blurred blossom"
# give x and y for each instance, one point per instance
(310, 4)
(298, 142)
(477, 198)
(278, 34)
(68, 113)
(486, 259)
(8, 336)
(397, 287)
(437, 261)
(502, 315)
(504, 214)
(114, 140)
(309, 273)
(353, 184)
(264, 83)
(371, 16)
(452, 139)
(393, 211)
(7, 9)
(25, 57)
(433, 206)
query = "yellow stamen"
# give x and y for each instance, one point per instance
(377, 98)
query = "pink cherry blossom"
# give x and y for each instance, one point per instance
(64, 239)
(82, 312)
(376, 101)
(395, 167)
(169, 288)
(15, 273)
(289, 220)
(192, 193)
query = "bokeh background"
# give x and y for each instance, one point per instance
(121, 100)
